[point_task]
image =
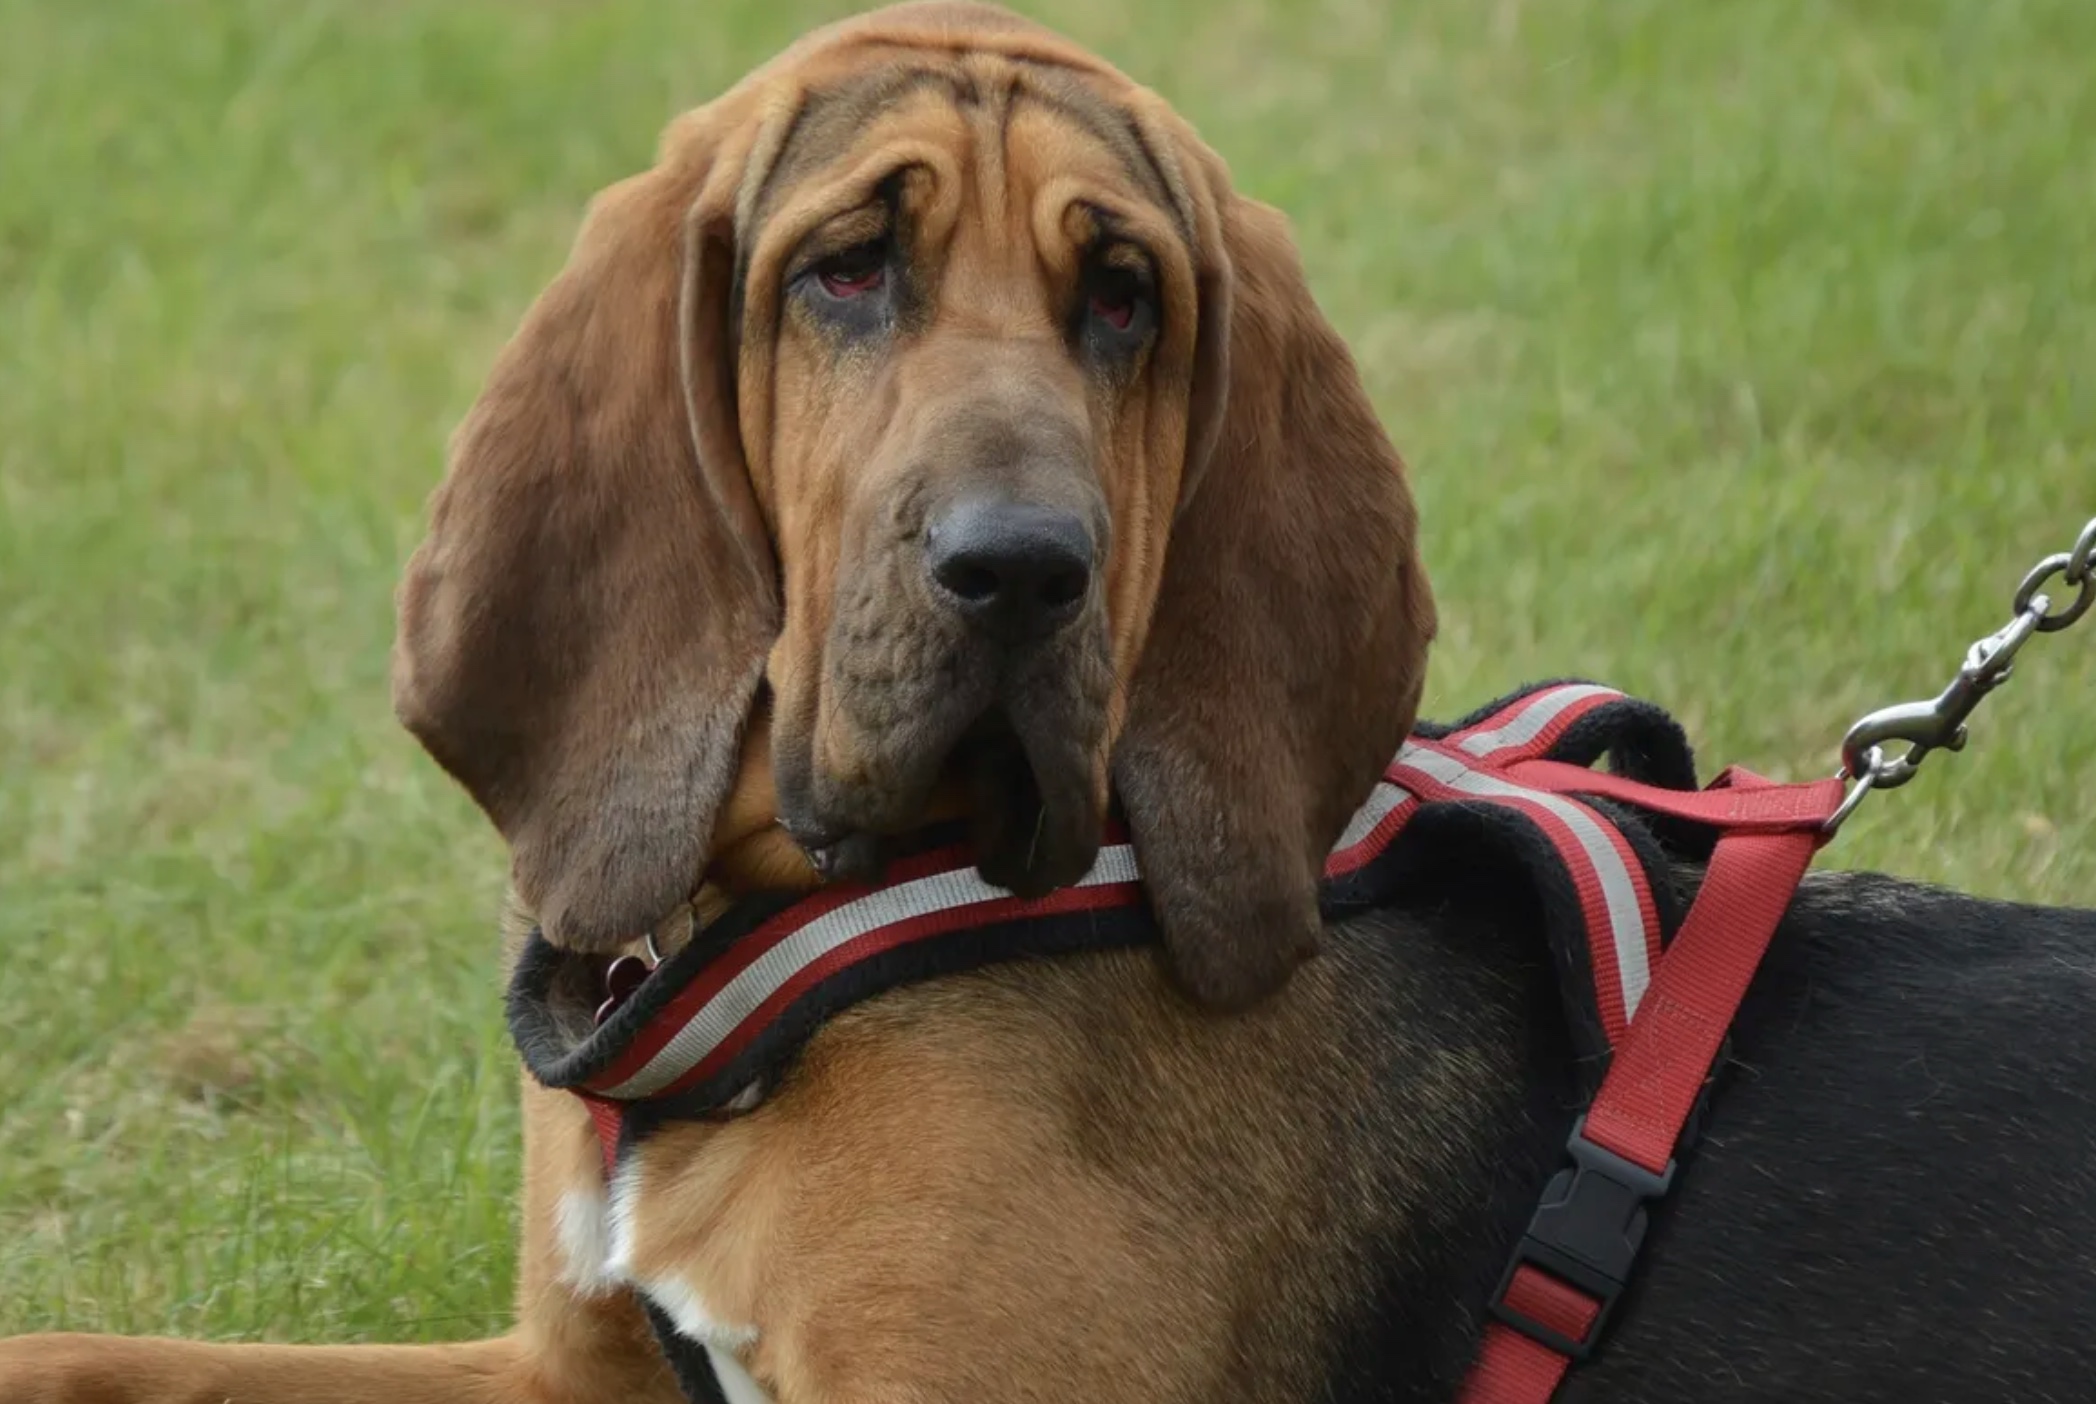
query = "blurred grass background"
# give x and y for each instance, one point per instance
(1743, 353)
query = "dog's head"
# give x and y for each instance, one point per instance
(935, 397)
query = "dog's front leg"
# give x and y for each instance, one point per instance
(85, 1369)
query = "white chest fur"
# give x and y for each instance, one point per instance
(596, 1246)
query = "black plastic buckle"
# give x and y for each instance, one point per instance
(1586, 1232)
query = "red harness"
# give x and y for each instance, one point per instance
(752, 987)
(1573, 1263)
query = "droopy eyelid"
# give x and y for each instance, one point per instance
(1125, 257)
(842, 235)
(877, 216)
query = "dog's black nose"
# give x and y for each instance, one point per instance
(1017, 568)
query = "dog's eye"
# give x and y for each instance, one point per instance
(1114, 309)
(1118, 299)
(855, 272)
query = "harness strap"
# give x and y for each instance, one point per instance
(1659, 1072)
(609, 1118)
(1737, 801)
(1571, 1267)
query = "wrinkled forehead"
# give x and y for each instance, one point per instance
(1009, 121)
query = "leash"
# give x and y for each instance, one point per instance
(1939, 723)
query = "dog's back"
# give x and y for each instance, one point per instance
(1894, 1198)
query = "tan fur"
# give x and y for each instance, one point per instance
(1120, 1185)
(1060, 1181)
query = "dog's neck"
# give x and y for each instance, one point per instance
(751, 851)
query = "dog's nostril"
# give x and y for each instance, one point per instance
(976, 584)
(1015, 567)
(1064, 588)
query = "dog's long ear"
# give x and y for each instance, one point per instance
(582, 634)
(1288, 648)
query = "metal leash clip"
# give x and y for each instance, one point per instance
(1939, 724)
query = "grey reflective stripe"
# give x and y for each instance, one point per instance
(765, 976)
(1528, 724)
(1626, 919)
(1381, 800)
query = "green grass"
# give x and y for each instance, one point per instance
(1744, 355)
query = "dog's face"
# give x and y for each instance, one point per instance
(970, 442)
(934, 400)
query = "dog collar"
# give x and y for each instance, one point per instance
(717, 1019)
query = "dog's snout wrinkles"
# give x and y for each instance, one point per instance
(1017, 569)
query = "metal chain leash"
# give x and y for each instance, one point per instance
(1939, 724)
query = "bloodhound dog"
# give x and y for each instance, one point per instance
(934, 433)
